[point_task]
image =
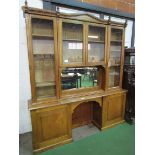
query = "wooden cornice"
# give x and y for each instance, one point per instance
(36, 11)
(81, 17)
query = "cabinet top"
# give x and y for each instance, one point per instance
(78, 98)
(81, 17)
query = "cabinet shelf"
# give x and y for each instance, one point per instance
(73, 40)
(115, 50)
(99, 42)
(45, 84)
(115, 65)
(40, 36)
(116, 41)
(43, 54)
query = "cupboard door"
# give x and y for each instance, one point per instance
(113, 108)
(43, 56)
(96, 44)
(72, 43)
(115, 57)
(51, 126)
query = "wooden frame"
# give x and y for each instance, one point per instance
(85, 20)
(121, 57)
(105, 44)
(85, 62)
(61, 42)
(31, 59)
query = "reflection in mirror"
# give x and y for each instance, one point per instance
(75, 78)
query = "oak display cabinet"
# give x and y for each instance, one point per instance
(76, 63)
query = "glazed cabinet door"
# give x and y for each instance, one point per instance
(51, 126)
(96, 44)
(42, 54)
(71, 39)
(113, 109)
(115, 57)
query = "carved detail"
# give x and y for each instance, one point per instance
(26, 4)
(125, 23)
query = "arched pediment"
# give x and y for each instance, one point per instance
(83, 17)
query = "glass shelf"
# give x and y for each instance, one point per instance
(44, 59)
(42, 46)
(45, 84)
(116, 35)
(116, 42)
(72, 52)
(115, 47)
(42, 27)
(44, 92)
(72, 40)
(96, 40)
(114, 76)
(96, 33)
(72, 31)
(40, 36)
(115, 57)
(95, 52)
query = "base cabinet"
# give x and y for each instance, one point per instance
(51, 126)
(113, 109)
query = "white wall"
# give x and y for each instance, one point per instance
(24, 79)
(128, 33)
(128, 30)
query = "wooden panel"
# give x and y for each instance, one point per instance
(115, 106)
(113, 109)
(97, 114)
(82, 114)
(51, 125)
(86, 113)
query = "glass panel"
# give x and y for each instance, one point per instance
(115, 54)
(75, 78)
(96, 38)
(43, 52)
(42, 27)
(115, 47)
(114, 76)
(72, 43)
(116, 34)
